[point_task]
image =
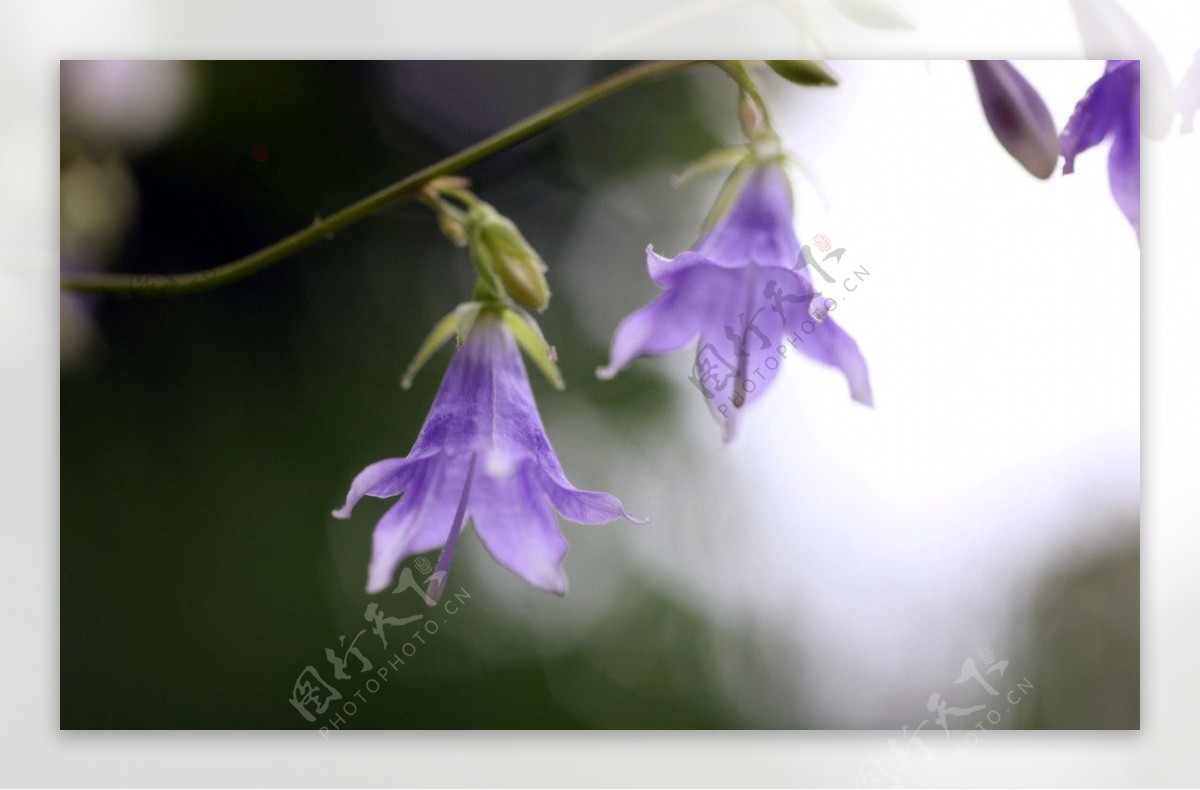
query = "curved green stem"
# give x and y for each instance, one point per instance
(193, 282)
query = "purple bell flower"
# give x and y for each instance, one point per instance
(483, 454)
(743, 291)
(1111, 108)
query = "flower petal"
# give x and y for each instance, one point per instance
(1107, 103)
(420, 521)
(484, 405)
(740, 351)
(699, 295)
(828, 343)
(1108, 30)
(663, 270)
(758, 228)
(1124, 171)
(386, 478)
(515, 524)
(582, 507)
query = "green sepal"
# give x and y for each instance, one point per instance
(713, 161)
(452, 228)
(803, 72)
(465, 315)
(810, 175)
(729, 192)
(457, 323)
(529, 336)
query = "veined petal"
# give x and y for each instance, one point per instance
(699, 295)
(582, 507)
(515, 524)
(1107, 30)
(828, 343)
(663, 270)
(385, 478)
(758, 228)
(1124, 171)
(740, 352)
(1102, 109)
(1110, 108)
(484, 405)
(420, 521)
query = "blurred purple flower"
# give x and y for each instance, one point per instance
(482, 453)
(1107, 31)
(1018, 116)
(1111, 109)
(741, 286)
(1189, 95)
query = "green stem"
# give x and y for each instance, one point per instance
(736, 70)
(193, 282)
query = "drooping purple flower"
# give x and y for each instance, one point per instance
(482, 454)
(1107, 30)
(744, 292)
(1188, 95)
(1111, 110)
(1018, 116)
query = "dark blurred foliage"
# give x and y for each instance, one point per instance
(1085, 635)
(205, 444)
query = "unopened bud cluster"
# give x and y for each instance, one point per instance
(498, 246)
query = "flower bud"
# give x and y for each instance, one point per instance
(803, 72)
(752, 115)
(452, 229)
(1018, 116)
(517, 265)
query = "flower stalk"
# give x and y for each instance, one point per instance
(323, 228)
